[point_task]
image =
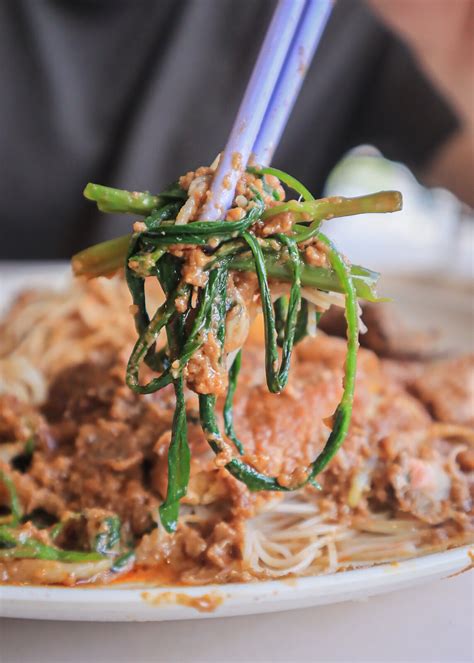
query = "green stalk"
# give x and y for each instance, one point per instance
(102, 259)
(119, 201)
(210, 294)
(314, 277)
(18, 547)
(16, 512)
(109, 535)
(179, 462)
(107, 257)
(277, 377)
(159, 216)
(145, 342)
(287, 179)
(136, 287)
(302, 322)
(96, 261)
(122, 561)
(204, 230)
(228, 413)
(178, 452)
(343, 413)
(335, 206)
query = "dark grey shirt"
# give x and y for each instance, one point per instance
(133, 93)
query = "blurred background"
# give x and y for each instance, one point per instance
(433, 234)
(132, 93)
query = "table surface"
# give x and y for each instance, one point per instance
(430, 623)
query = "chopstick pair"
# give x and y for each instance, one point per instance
(289, 45)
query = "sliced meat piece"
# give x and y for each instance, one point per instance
(399, 411)
(402, 371)
(422, 488)
(90, 486)
(206, 550)
(111, 444)
(425, 470)
(83, 392)
(447, 389)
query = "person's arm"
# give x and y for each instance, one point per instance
(440, 33)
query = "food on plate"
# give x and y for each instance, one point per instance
(103, 437)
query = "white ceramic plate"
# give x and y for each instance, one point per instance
(113, 604)
(428, 304)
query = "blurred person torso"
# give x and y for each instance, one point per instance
(134, 93)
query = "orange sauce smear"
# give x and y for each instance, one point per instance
(159, 575)
(203, 603)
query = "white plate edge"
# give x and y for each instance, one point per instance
(118, 604)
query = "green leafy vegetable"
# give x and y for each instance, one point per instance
(109, 535)
(228, 406)
(179, 462)
(16, 512)
(230, 246)
(15, 544)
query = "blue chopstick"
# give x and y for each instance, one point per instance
(253, 107)
(305, 43)
(289, 45)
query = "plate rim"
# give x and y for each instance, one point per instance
(144, 603)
